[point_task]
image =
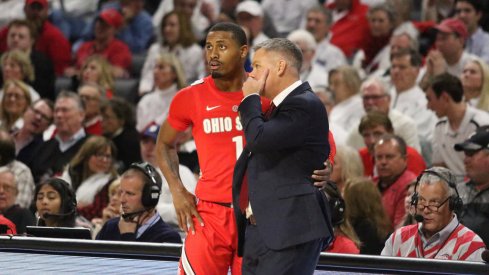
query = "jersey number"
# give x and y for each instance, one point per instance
(238, 140)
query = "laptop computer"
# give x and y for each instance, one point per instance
(59, 232)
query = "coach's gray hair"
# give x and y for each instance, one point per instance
(284, 46)
(76, 97)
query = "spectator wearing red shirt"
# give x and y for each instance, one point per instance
(106, 45)
(372, 127)
(391, 164)
(350, 25)
(50, 41)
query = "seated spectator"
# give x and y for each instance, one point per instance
(37, 118)
(17, 66)
(105, 44)
(22, 36)
(89, 173)
(92, 96)
(408, 98)
(50, 41)
(119, 125)
(345, 239)
(448, 55)
(345, 82)
(23, 176)
(140, 222)
(21, 217)
(475, 81)
(475, 191)
(15, 101)
(112, 209)
(350, 25)
(436, 10)
(169, 78)
(96, 69)
(376, 97)
(52, 155)
(318, 23)
(457, 121)
(347, 165)
(470, 12)
(55, 204)
(178, 39)
(393, 176)
(137, 27)
(250, 15)
(372, 127)
(311, 71)
(165, 205)
(439, 234)
(367, 215)
(381, 22)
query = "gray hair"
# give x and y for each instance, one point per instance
(285, 47)
(376, 80)
(5, 169)
(413, 42)
(74, 96)
(325, 12)
(387, 8)
(303, 36)
(440, 174)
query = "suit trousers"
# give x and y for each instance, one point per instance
(259, 259)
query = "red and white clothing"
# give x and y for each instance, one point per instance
(116, 52)
(454, 242)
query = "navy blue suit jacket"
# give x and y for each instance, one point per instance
(278, 160)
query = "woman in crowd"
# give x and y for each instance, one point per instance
(119, 125)
(89, 173)
(178, 39)
(345, 239)
(16, 65)
(365, 211)
(55, 203)
(15, 101)
(98, 70)
(475, 81)
(169, 78)
(347, 165)
(344, 82)
(112, 210)
(381, 21)
(92, 96)
(409, 218)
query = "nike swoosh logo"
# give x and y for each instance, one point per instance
(212, 108)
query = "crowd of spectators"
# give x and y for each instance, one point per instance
(405, 84)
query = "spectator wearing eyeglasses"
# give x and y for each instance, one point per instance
(376, 97)
(15, 101)
(457, 121)
(438, 233)
(37, 119)
(92, 95)
(475, 192)
(89, 173)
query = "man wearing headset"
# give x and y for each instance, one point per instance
(140, 192)
(438, 233)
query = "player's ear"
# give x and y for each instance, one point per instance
(244, 51)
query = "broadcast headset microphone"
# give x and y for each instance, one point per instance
(50, 215)
(129, 216)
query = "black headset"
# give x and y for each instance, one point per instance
(152, 184)
(455, 203)
(336, 203)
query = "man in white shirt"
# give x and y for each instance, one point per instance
(457, 122)
(249, 14)
(408, 98)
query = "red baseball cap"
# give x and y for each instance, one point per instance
(43, 3)
(453, 25)
(112, 17)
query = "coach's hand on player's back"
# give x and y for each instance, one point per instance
(185, 205)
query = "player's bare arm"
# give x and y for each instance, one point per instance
(167, 158)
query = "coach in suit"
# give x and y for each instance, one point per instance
(275, 202)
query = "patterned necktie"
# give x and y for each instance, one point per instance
(269, 112)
